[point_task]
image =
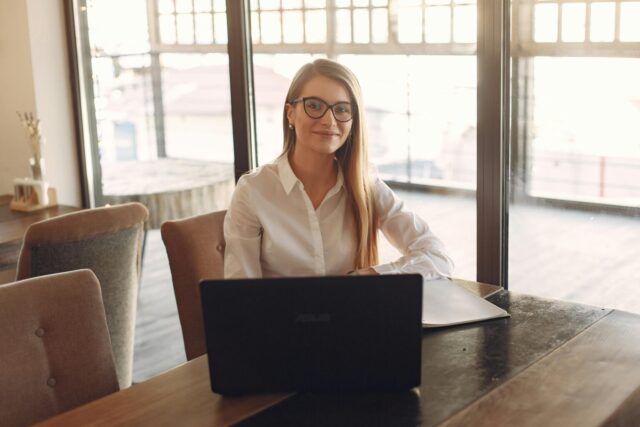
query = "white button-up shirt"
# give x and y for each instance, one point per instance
(272, 230)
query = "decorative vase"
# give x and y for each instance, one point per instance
(37, 168)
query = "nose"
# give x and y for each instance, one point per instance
(328, 118)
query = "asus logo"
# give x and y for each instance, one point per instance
(313, 318)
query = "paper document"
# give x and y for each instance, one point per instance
(444, 303)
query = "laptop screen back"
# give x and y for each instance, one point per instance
(343, 333)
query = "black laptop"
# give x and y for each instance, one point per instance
(343, 333)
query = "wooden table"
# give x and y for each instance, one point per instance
(550, 363)
(13, 225)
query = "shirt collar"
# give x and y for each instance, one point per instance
(339, 183)
(288, 179)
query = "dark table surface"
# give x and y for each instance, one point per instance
(459, 365)
(550, 363)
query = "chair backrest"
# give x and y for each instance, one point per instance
(107, 241)
(195, 247)
(56, 352)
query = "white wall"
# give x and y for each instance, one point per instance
(35, 77)
(52, 84)
(16, 91)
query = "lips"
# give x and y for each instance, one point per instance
(326, 134)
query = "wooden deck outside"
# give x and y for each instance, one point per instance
(581, 256)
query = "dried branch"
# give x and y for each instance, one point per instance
(32, 124)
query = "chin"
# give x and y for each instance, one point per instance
(322, 147)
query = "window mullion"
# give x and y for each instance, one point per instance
(241, 84)
(492, 140)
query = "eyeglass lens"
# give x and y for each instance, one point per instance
(316, 108)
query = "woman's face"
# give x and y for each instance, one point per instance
(326, 134)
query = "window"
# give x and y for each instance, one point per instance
(573, 86)
(575, 165)
(161, 110)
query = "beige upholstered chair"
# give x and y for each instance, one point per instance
(107, 241)
(195, 247)
(56, 353)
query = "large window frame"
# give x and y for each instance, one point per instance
(492, 50)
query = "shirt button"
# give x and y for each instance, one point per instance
(219, 248)
(51, 382)
(40, 332)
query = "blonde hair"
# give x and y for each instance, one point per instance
(352, 156)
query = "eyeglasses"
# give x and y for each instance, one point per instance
(316, 108)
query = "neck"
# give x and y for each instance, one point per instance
(313, 169)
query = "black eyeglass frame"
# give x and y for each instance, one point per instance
(329, 107)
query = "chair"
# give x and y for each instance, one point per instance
(107, 241)
(195, 247)
(56, 352)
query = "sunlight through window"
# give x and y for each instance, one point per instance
(546, 23)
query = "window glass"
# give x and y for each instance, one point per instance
(574, 229)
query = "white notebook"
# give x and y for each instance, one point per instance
(444, 304)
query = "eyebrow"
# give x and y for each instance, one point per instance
(324, 100)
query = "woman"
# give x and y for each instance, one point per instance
(316, 210)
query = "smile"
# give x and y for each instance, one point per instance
(325, 134)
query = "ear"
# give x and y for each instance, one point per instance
(291, 112)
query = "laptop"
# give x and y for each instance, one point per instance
(342, 333)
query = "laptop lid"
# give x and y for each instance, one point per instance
(343, 333)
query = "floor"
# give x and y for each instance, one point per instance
(587, 257)
(158, 342)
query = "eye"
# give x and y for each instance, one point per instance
(313, 104)
(342, 108)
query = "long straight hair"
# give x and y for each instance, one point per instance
(352, 156)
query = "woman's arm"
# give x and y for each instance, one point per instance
(242, 235)
(422, 252)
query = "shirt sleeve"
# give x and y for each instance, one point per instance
(422, 252)
(242, 235)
